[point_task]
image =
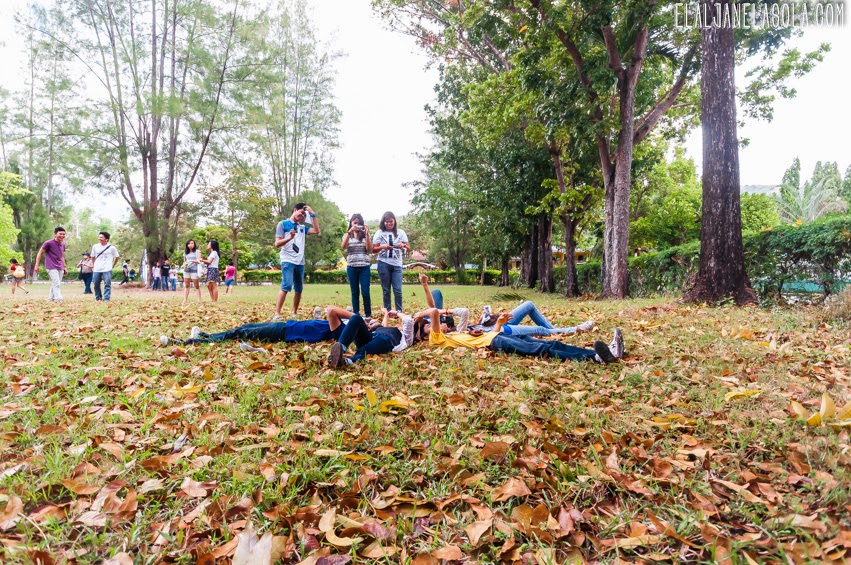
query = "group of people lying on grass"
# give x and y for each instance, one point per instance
(435, 326)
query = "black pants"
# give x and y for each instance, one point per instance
(367, 342)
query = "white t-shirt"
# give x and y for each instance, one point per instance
(390, 256)
(214, 264)
(104, 256)
(292, 251)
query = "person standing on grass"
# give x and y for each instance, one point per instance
(165, 272)
(54, 261)
(105, 257)
(173, 278)
(290, 236)
(85, 266)
(191, 259)
(212, 262)
(230, 276)
(358, 246)
(390, 242)
(18, 275)
(155, 276)
(125, 270)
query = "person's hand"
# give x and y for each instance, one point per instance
(309, 210)
(384, 310)
(423, 278)
(292, 232)
(504, 317)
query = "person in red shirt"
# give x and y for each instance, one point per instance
(230, 276)
(18, 275)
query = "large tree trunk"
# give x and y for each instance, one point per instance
(503, 277)
(529, 263)
(571, 286)
(545, 254)
(722, 266)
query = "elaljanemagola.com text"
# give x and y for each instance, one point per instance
(757, 15)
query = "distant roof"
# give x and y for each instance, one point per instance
(761, 188)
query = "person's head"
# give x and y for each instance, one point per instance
(422, 327)
(388, 222)
(357, 220)
(86, 255)
(103, 237)
(191, 247)
(59, 233)
(213, 246)
(299, 213)
(165, 262)
(230, 263)
(13, 261)
(372, 324)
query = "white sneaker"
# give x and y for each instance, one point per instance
(250, 348)
(617, 346)
(277, 318)
(317, 313)
(195, 333)
(585, 326)
(164, 340)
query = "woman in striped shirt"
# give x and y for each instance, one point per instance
(358, 246)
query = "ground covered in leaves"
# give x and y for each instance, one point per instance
(695, 449)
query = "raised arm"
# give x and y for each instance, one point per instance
(314, 229)
(429, 298)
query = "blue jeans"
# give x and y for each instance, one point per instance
(390, 275)
(541, 325)
(268, 332)
(174, 285)
(107, 285)
(359, 284)
(368, 343)
(531, 347)
(155, 283)
(164, 283)
(292, 277)
(87, 280)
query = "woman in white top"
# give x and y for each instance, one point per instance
(212, 262)
(190, 269)
(391, 243)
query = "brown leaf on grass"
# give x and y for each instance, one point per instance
(476, 530)
(92, 519)
(107, 492)
(660, 468)
(120, 558)
(448, 553)
(495, 450)
(377, 551)
(631, 543)
(194, 489)
(424, 559)
(336, 559)
(253, 550)
(12, 513)
(78, 485)
(514, 486)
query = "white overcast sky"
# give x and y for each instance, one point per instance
(383, 84)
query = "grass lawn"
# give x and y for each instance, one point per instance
(115, 448)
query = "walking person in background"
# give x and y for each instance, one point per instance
(390, 242)
(172, 275)
(290, 238)
(18, 275)
(212, 262)
(230, 276)
(165, 271)
(54, 261)
(358, 246)
(190, 269)
(125, 270)
(155, 276)
(104, 256)
(85, 266)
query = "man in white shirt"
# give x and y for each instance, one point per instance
(104, 258)
(290, 235)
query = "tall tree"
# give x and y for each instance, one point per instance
(721, 272)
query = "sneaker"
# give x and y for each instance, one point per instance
(585, 326)
(317, 313)
(617, 344)
(277, 318)
(251, 349)
(604, 353)
(195, 333)
(335, 358)
(165, 340)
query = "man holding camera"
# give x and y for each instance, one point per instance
(290, 238)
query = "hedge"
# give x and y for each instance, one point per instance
(788, 258)
(470, 276)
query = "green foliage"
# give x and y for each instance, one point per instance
(817, 197)
(10, 185)
(818, 253)
(759, 212)
(322, 249)
(464, 276)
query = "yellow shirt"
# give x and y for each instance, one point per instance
(440, 339)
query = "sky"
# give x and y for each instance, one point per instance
(384, 82)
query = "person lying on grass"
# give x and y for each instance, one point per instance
(308, 331)
(541, 327)
(371, 340)
(495, 340)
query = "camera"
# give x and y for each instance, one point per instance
(359, 228)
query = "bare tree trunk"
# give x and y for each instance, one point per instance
(571, 286)
(722, 265)
(545, 254)
(529, 262)
(504, 277)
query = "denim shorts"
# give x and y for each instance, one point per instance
(292, 277)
